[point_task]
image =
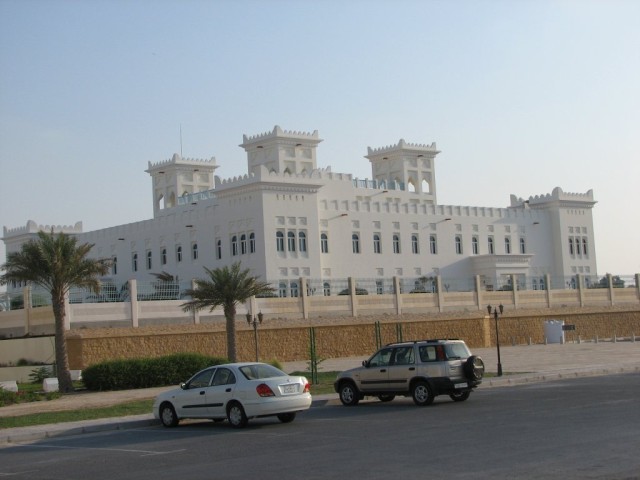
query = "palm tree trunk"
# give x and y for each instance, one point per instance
(65, 385)
(230, 316)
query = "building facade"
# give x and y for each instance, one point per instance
(287, 219)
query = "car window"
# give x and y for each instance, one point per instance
(223, 376)
(201, 379)
(382, 358)
(403, 356)
(261, 370)
(456, 350)
(427, 353)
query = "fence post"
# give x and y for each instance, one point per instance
(26, 306)
(440, 293)
(580, 288)
(514, 290)
(610, 280)
(312, 353)
(305, 298)
(196, 313)
(352, 296)
(398, 295)
(547, 285)
(479, 295)
(133, 297)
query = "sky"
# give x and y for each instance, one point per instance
(519, 96)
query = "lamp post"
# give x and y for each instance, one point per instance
(495, 316)
(255, 321)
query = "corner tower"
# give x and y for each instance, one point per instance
(409, 164)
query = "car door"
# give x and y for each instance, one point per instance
(402, 368)
(220, 392)
(192, 400)
(375, 375)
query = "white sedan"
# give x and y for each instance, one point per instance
(236, 392)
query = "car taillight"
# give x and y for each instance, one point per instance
(264, 390)
(307, 388)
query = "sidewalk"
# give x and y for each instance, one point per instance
(520, 364)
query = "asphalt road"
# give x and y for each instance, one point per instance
(572, 429)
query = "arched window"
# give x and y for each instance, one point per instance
(234, 246)
(219, 249)
(396, 244)
(542, 286)
(294, 289)
(163, 256)
(523, 246)
(355, 243)
(458, 241)
(279, 241)
(490, 245)
(578, 248)
(571, 246)
(377, 247)
(134, 262)
(291, 241)
(507, 245)
(475, 245)
(282, 289)
(194, 251)
(326, 289)
(243, 244)
(379, 287)
(584, 246)
(415, 246)
(178, 254)
(114, 266)
(252, 242)
(433, 244)
(534, 284)
(302, 241)
(324, 243)
(149, 261)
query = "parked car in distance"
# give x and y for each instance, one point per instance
(236, 392)
(421, 369)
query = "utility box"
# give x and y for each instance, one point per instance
(554, 331)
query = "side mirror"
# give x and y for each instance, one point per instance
(365, 363)
(183, 386)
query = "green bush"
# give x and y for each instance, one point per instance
(37, 375)
(146, 372)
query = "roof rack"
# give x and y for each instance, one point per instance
(431, 340)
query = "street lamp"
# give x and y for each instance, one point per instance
(495, 316)
(255, 321)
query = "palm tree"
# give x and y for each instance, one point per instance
(225, 286)
(56, 262)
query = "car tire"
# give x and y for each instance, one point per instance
(422, 394)
(460, 396)
(236, 416)
(474, 368)
(386, 398)
(349, 395)
(287, 417)
(168, 415)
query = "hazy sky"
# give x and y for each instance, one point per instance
(520, 97)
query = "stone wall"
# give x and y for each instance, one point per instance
(289, 340)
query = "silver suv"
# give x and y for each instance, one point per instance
(421, 369)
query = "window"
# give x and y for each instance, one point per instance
(149, 261)
(326, 289)
(234, 246)
(379, 287)
(223, 376)
(534, 283)
(243, 244)
(324, 243)
(294, 289)
(523, 246)
(280, 241)
(542, 287)
(458, 241)
(163, 256)
(194, 251)
(202, 380)
(252, 243)
(571, 246)
(396, 244)
(282, 289)
(291, 241)
(114, 266)
(134, 262)
(178, 254)
(578, 248)
(302, 242)
(219, 249)
(377, 248)
(584, 246)
(490, 245)
(415, 246)
(507, 245)
(475, 245)
(355, 243)
(433, 244)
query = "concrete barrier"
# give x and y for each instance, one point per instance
(9, 385)
(50, 385)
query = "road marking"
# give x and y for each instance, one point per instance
(144, 453)
(13, 474)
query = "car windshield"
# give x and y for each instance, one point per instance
(456, 350)
(261, 370)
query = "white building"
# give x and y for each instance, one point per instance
(287, 219)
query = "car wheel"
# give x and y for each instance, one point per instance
(168, 415)
(460, 396)
(386, 398)
(422, 394)
(474, 368)
(236, 416)
(349, 395)
(287, 417)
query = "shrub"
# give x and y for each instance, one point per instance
(37, 375)
(146, 372)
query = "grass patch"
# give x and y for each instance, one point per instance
(136, 407)
(325, 382)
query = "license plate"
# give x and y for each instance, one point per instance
(289, 389)
(461, 385)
